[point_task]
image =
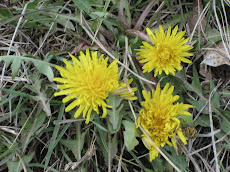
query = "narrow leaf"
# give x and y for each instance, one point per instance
(54, 137)
(16, 166)
(15, 67)
(196, 82)
(215, 100)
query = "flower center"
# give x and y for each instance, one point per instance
(164, 53)
(96, 83)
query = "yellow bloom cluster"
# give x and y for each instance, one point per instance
(167, 53)
(89, 81)
(158, 119)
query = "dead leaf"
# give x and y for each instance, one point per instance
(205, 71)
(216, 56)
(197, 10)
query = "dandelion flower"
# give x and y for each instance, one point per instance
(167, 53)
(158, 119)
(89, 80)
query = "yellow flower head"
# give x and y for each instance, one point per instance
(158, 119)
(167, 53)
(89, 80)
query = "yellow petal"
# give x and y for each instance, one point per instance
(79, 111)
(88, 115)
(72, 105)
(104, 112)
(182, 138)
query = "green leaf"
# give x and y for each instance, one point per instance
(100, 126)
(14, 92)
(224, 125)
(54, 139)
(227, 146)
(5, 14)
(203, 121)
(110, 127)
(213, 35)
(41, 96)
(33, 4)
(42, 66)
(38, 122)
(113, 146)
(225, 92)
(86, 5)
(13, 1)
(15, 67)
(44, 102)
(185, 120)
(215, 98)
(115, 115)
(199, 104)
(5, 152)
(177, 18)
(99, 14)
(226, 113)
(16, 166)
(114, 100)
(63, 20)
(130, 135)
(137, 159)
(73, 146)
(178, 160)
(149, 170)
(45, 70)
(158, 164)
(196, 82)
(109, 23)
(83, 5)
(103, 144)
(31, 127)
(127, 11)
